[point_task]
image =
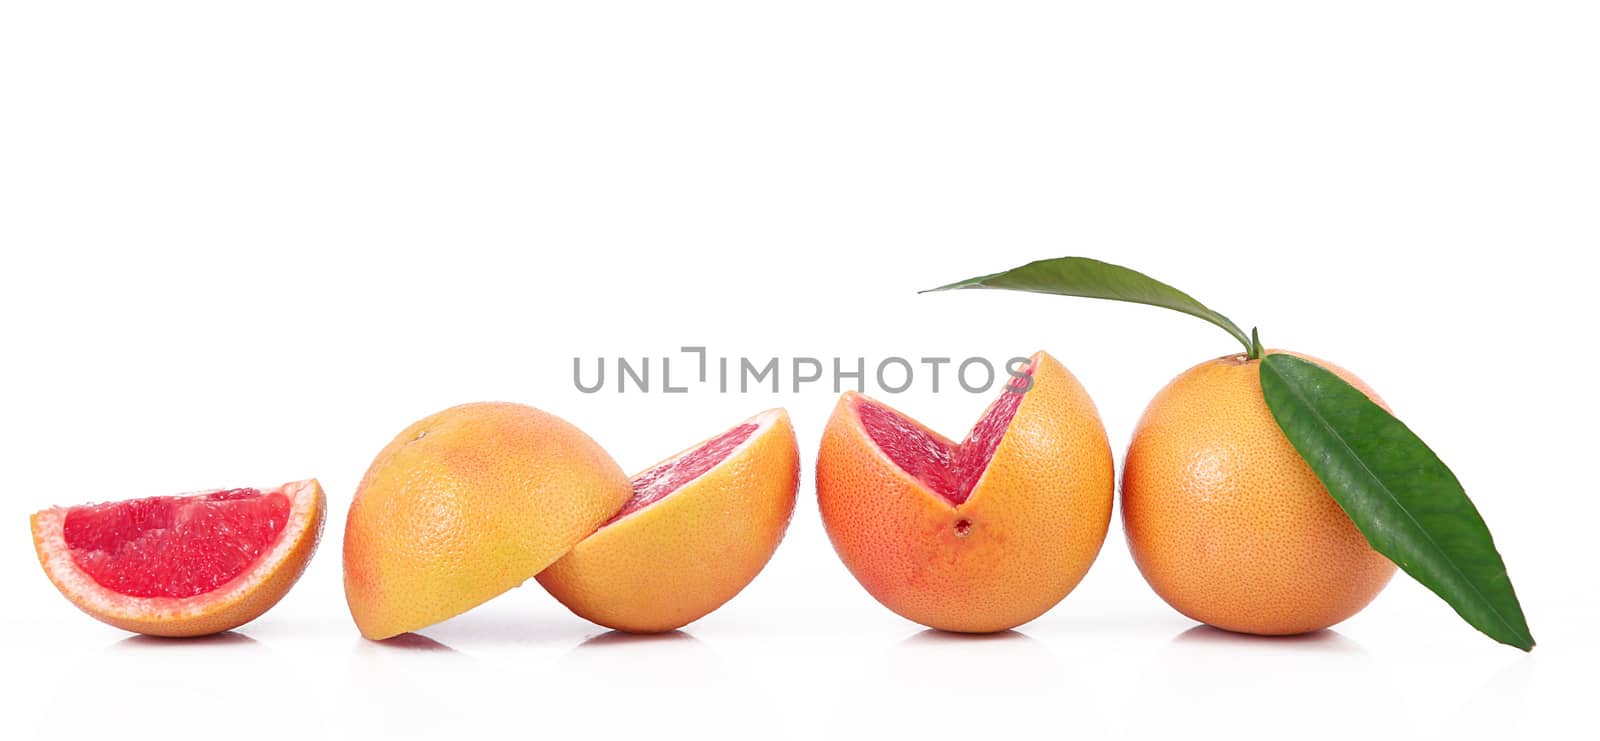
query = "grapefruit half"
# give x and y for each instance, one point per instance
(699, 527)
(184, 565)
(466, 504)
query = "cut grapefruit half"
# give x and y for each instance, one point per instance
(184, 565)
(699, 528)
(977, 536)
(465, 505)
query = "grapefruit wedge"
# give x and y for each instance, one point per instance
(185, 565)
(699, 527)
(977, 536)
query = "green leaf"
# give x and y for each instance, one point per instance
(1081, 276)
(1404, 499)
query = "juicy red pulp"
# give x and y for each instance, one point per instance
(949, 469)
(656, 483)
(174, 546)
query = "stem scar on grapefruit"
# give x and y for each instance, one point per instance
(1228, 523)
(977, 536)
(466, 504)
(185, 565)
(699, 528)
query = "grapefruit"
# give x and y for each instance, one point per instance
(977, 536)
(699, 527)
(1225, 519)
(185, 565)
(466, 504)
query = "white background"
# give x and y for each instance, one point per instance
(243, 245)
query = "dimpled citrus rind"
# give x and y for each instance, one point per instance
(1021, 541)
(466, 504)
(1227, 522)
(680, 558)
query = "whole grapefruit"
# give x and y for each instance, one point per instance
(1225, 519)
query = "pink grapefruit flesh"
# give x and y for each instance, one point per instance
(174, 546)
(655, 483)
(182, 565)
(947, 468)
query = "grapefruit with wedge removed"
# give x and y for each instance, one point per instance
(699, 527)
(977, 536)
(466, 504)
(182, 565)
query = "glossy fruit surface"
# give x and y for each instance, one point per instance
(466, 504)
(184, 565)
(699, 527)
(977, 536)
(1225, 519)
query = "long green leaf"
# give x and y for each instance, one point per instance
(1081, 276)
(1404, 499)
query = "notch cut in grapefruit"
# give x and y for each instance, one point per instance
(948, 469)
(183, 565)
(977, 536)
(699, 527)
